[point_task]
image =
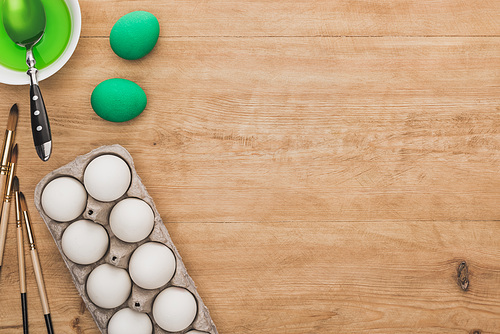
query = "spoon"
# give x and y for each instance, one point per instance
(24, 22)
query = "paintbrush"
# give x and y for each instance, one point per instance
(20, 254)
(36, 265)
(5, 164)
(10, 133)
(4, 220)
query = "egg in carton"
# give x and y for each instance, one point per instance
(119, 252)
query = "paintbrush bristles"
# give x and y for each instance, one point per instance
(13, 155)
(22, 199)
(15, 184)
(13, 117)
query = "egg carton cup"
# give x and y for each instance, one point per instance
(119, 252)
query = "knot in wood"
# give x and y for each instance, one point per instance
(463, 278)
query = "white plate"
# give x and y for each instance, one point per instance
(11, 77)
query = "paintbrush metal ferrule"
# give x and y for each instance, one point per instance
(31, 237)
(8, 188)
(17, 201)
(27, 221)
(19, 215)
(9, 139)
(11, 174)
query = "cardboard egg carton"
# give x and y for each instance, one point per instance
(119, 252)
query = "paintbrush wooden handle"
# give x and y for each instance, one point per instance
(41, 289)
(39, 281)
(3, 228)
(22, 277)
(20, 260)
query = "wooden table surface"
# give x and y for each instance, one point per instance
(323, 166)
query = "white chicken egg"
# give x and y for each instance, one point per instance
(107, 178)
(174, 309)
(127, 321)
(152, 265)
(108, 286)
(131, 220)
(64, 199)
(85, 242)
(196, 332)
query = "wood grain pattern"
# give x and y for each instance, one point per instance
(322, 166)
(303, 17)
(352, 277)
(328, 129)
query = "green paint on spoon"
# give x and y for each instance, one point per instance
(24, 21)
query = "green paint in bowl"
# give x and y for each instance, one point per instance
(51, 46)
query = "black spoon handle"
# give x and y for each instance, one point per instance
(39, 119)
(40, 126)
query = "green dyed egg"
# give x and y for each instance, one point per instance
(118, 100)
(134, 35)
